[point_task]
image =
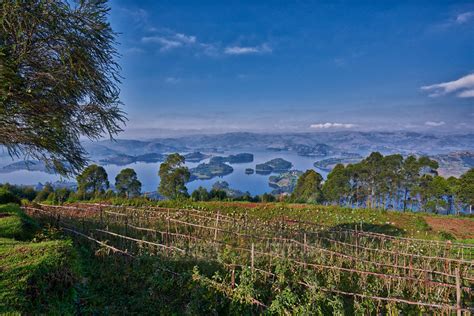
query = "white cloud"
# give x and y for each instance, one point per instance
(169, 40)
(465, 84)
(172, 80)
(331, 125)
(434, 124)
(246, 50)
(464, 17)
(466, 94)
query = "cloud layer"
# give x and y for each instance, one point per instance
(331, 125)
(464, 87)
(246, 50)
(434, 124)
(464, 17)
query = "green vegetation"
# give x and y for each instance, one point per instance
(284, 182)
(210, 170)
(37, 277)
(93, 181)
(274, 165)
(198, 266)
(238, 158)
(308, 188)
(127, 184)
(173, 177)
(392, 182)
(15, 224)
(52, 54)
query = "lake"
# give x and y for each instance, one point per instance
(148, 173)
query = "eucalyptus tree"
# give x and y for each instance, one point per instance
(58, 79)
(173, 177)
(466, 189)
(336, 188)
(308, 188)
(127, 183)
(92, 181)
(411, 172)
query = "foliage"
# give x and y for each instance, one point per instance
(466, 188)
(93, 180)
(127, 184)
(36, 277)
(15, 224)
(308, 188)
(389, 182)
(8, 197)
(173, 177)
(59, 79)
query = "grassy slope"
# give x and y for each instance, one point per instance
(36, 277)
(407, 224)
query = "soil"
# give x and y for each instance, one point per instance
(460, 228)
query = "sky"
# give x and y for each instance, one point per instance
(295, 66)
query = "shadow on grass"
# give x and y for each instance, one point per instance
(151, 284)
(386, 229)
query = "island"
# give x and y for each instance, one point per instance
(273, 166)
(329, 164)
(284, 182)
(249, 171)
(30, 165)
(195, 157)
(224, 186)
(122, 159)
(206, 171)
(233, 159)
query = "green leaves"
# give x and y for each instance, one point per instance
(58, 80)
(173, 177)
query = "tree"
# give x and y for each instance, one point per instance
(173, 177)
(200, 194)
(411, 171)
(127, 183)
(308, 188)
(337, 186)
(466, 188)
(44, 193)
(58, 79)
(93, 180)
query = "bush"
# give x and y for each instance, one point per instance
(7, 197)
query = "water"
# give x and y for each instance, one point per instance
(148, 173)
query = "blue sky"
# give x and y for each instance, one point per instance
(296, 65)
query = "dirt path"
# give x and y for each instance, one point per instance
(460, 228)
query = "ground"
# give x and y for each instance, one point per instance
(459, 228)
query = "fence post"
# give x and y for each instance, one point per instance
(217, 224)
(252, 256)
(458, 293)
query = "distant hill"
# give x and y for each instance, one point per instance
(455, 163)
(321, 144)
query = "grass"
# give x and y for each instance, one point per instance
(35, 277)
(408, 224)
(15, 224)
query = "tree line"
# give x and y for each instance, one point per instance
(384, 182)
(388, 182)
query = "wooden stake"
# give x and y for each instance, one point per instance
(458, 293)
(252, 256)
(217, 225)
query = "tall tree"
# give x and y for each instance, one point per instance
(337, 187)
(58, 79)
(466, 189)
(127, 183)
(93, 180)
(411, 172)
(308, 188)
(173, 177)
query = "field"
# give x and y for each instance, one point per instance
(236, 258)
